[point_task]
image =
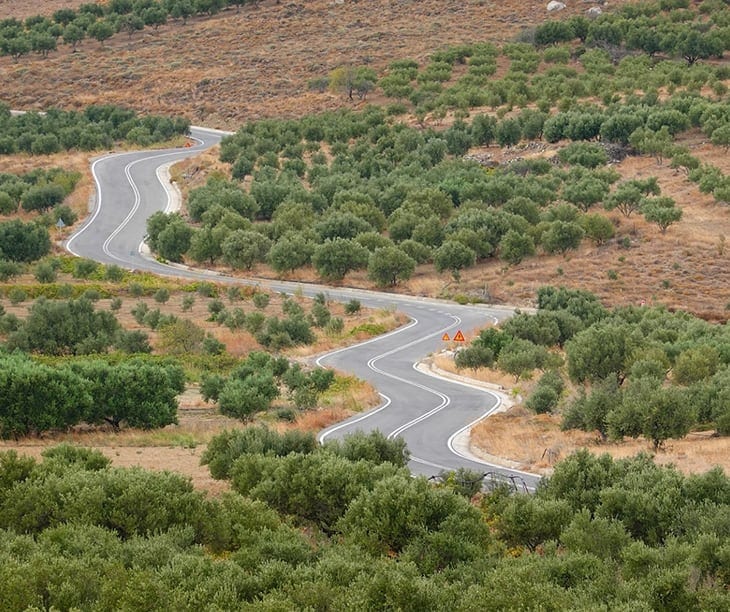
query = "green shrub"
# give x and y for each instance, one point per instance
(16, 295)
(352, 307)
(162, 295)
(261, 300)
(45, 272)
(84, 268)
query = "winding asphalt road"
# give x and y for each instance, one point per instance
(429, 412)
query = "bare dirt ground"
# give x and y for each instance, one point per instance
(518, 438)
(239, 66)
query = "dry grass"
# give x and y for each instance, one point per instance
(517, 437)
(682, 269)
(536, 443)
(445, 361)
(254, 63)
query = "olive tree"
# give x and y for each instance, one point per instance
(387, 265)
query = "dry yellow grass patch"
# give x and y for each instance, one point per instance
(487, 375)
(536, 442)
(517, 437)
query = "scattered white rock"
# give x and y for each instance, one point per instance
(554, 5)
(594, 12)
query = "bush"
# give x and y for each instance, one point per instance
(542, 400)
(187, 302)
(586, 154)
(114, 273)
(334, 326)
(84, 268)
(474, 357)
(16, 295)
(162, 295)
(352, 307)
(45, 272)
(261, 300)
(23, 242)
(136, 289)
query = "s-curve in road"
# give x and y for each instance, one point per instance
(429, 412)
(129, 188)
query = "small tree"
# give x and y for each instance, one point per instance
(181, 336)
(514, 247)
(585, 192)
(656, 412)
(453, 256)
(290, 252)
(130, 24)
(351, 80)
(42, 197)
(242, 249)
(388, 265)
(628, 195)
(174, 240)
(597, 227)
(100, 30)
(655, 143)
(181, 9)
(474, 357)
(45, 272)
(721, 137)
(23, 242)
(335, 258)
(162, 295)
(661, 211)
(508, 132)
(73, 35)
(154, 16)
(243, 398)
(562, 236)
(521, 357)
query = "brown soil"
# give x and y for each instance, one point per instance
(687, 268)
(518, 438)
(536, 443)
(254, 63)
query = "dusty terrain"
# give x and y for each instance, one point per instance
(238, 66)
(687, 268)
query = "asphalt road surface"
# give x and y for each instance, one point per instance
(429, 412)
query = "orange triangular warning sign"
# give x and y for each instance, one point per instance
(459, 337)
(445, 338)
